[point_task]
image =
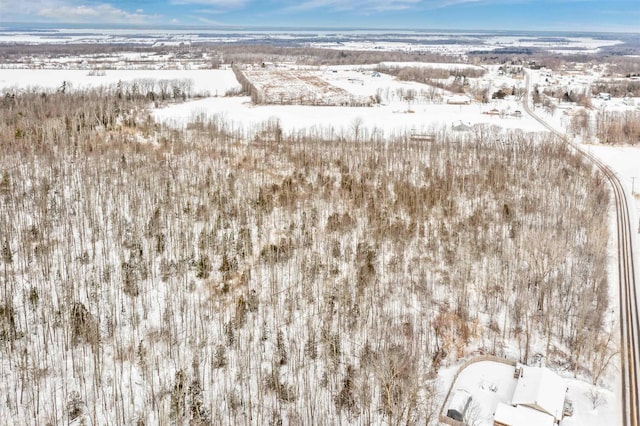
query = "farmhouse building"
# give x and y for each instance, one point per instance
(460, 126)
(538, 399)
(458, 100)
(508, 415)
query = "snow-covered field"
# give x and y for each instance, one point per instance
(340, 121)
(396, 114)
(205, 82)
(453, 44)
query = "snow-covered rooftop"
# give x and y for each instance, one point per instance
(460, 400)
(542, 389)
(521, 416)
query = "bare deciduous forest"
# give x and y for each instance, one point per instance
(155, 276)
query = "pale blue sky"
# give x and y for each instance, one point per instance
(557, 15)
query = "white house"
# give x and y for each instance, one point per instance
(508, 415)
(458, 100)
(541, 389)
(460, 126)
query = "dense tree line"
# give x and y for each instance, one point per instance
(618, 128)
(617, 88)
(451, 79)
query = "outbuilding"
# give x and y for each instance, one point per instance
(460, 126)
(459, 405)
(458, 100)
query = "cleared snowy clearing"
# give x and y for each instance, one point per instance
(368, 83)
(339, 121)
(404, 106)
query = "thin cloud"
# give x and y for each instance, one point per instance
(99, 13)
(206, 21)
(228, 4)
(441, 4)
(361, 5)
(388, 5)
(73, 11)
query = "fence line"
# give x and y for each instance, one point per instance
(480, 358)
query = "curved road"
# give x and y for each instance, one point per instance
(629, 329)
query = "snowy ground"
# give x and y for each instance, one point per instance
(482, 42)
(394, 115)
(205, 82)
(341, 121)
(479, 379)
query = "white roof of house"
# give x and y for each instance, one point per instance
(458, 99)
(542, 388)
(460, 125)
(521, 416)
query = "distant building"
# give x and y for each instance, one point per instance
(460, 126)
(458, 100)
(604, 96)
(417, 136)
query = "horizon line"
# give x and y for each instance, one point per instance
(68, 25)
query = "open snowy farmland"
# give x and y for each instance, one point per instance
(274, 86)
(463, 43)
(202, 82)
(401, 106)
(342, 122)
